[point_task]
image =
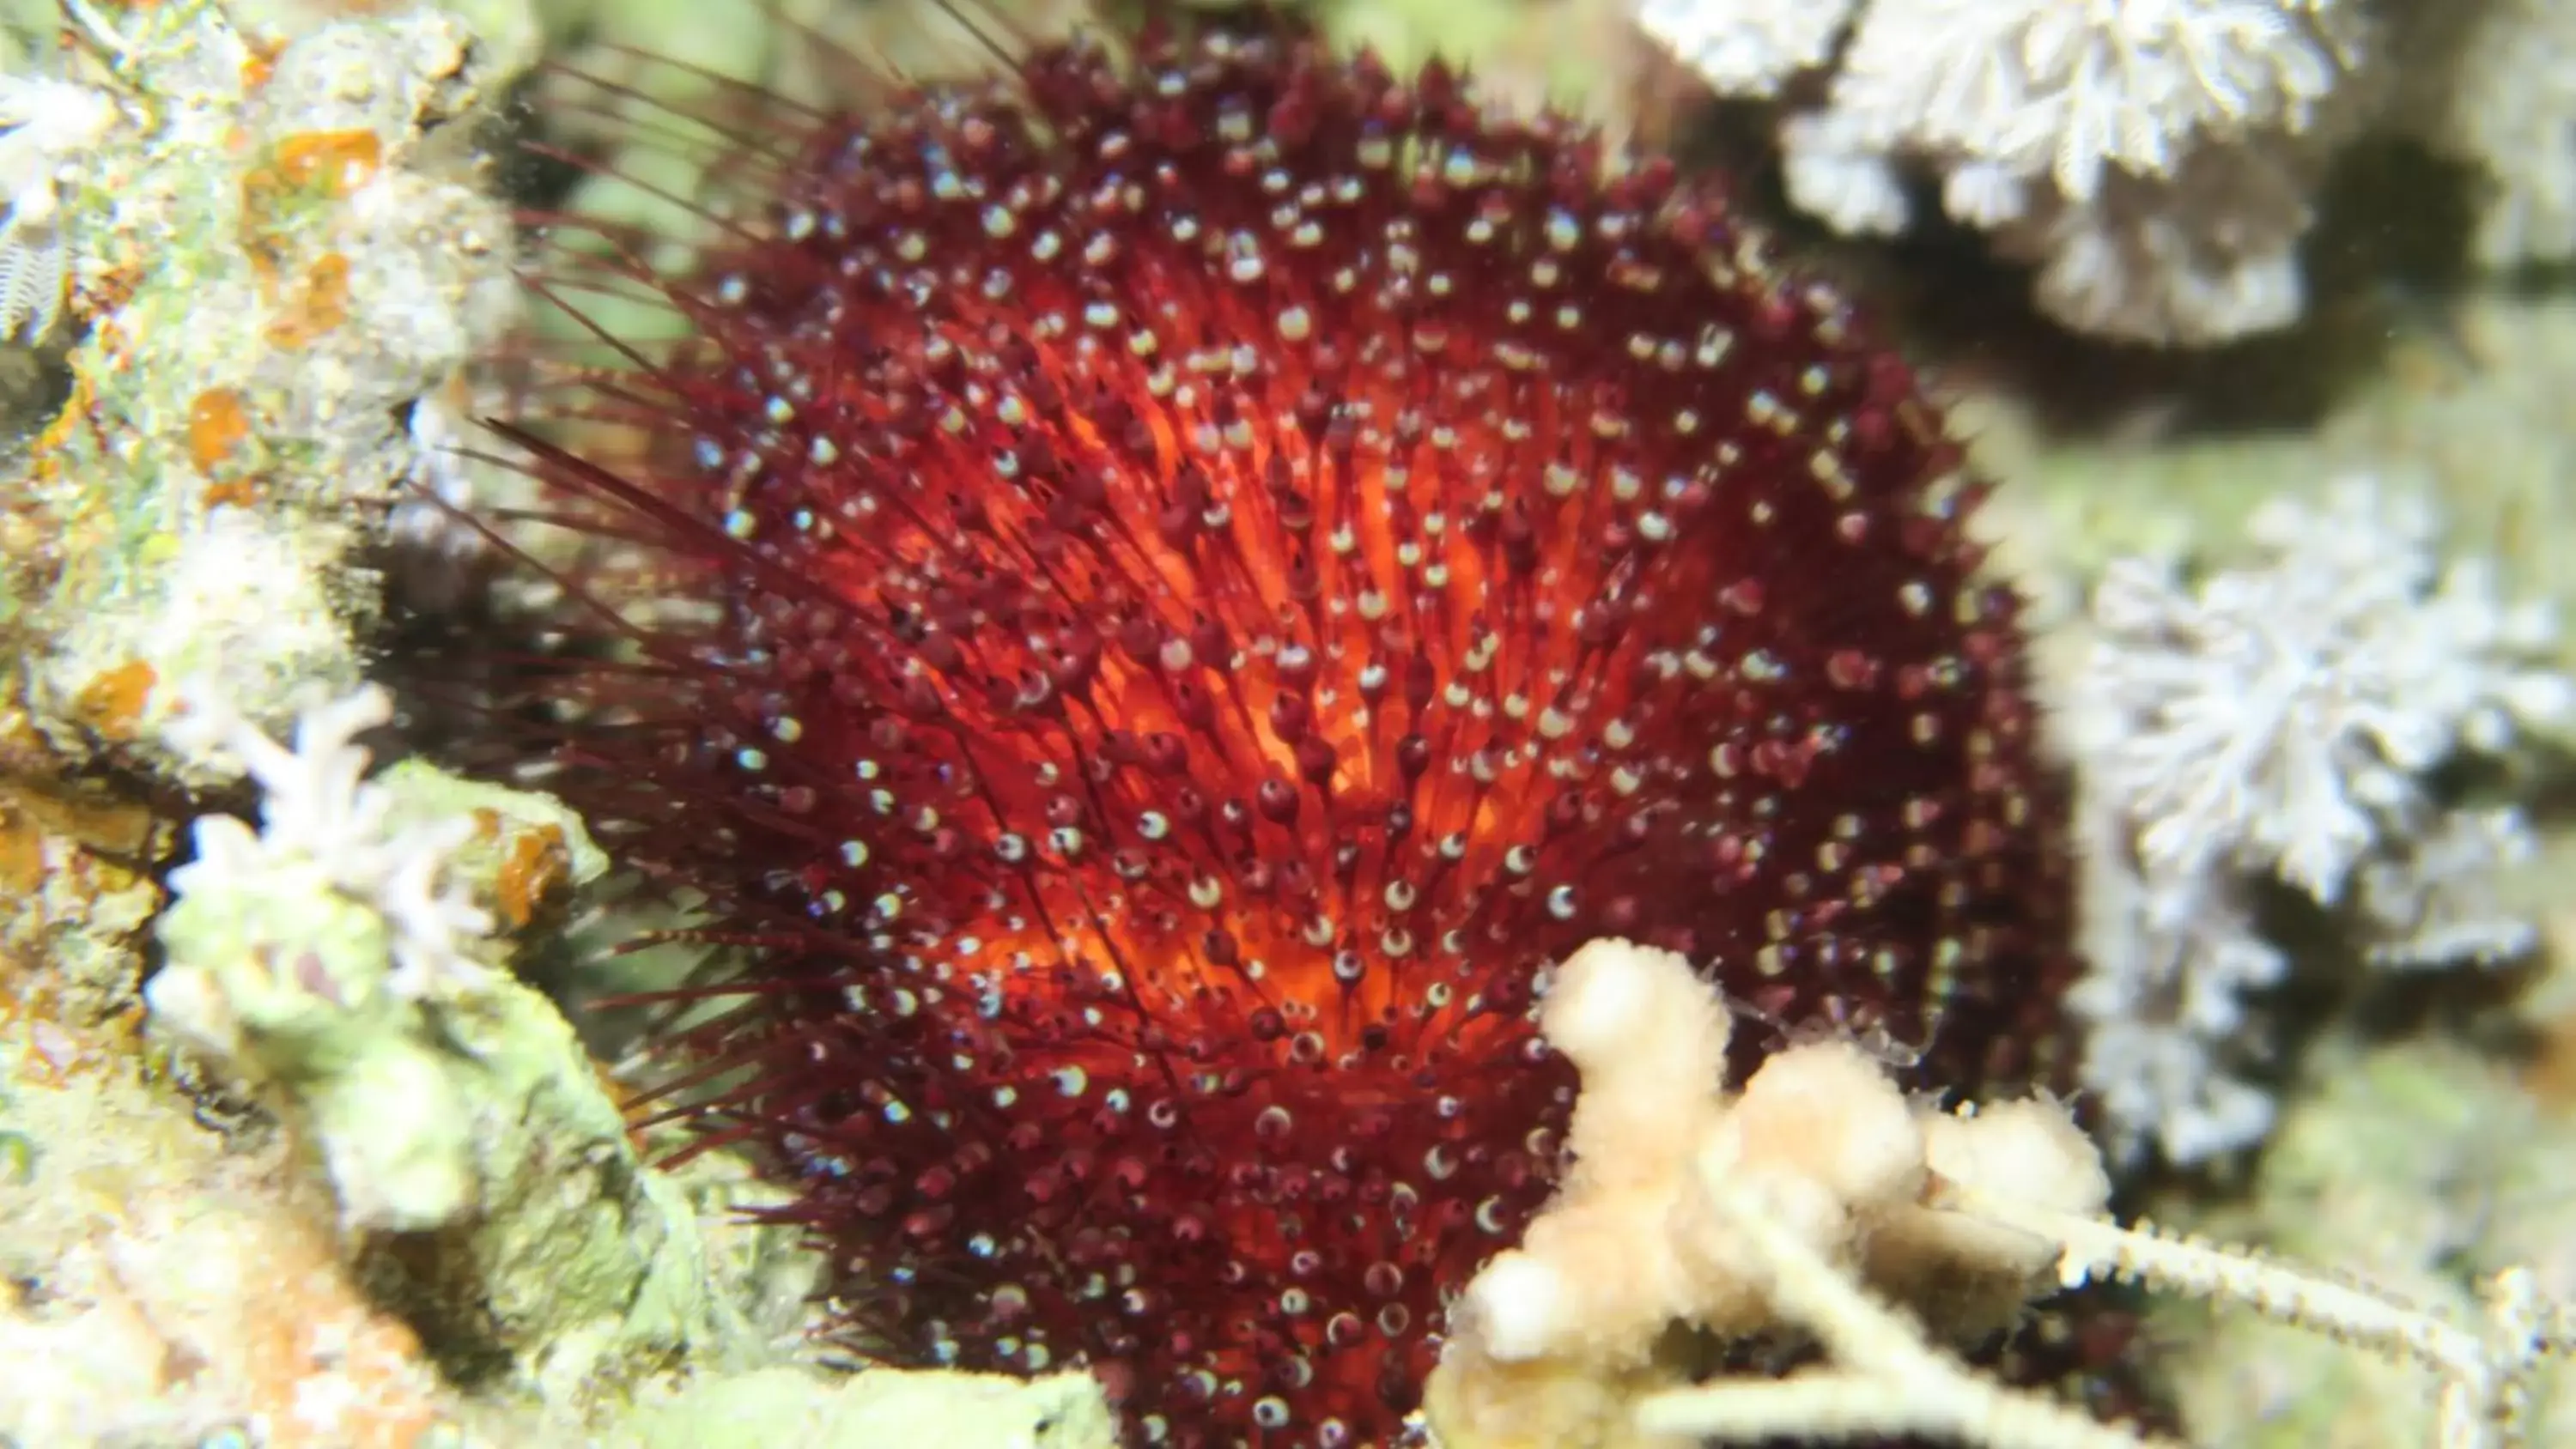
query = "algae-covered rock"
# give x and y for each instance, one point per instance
(346, 962)
(876, 1407)
(2421, 1168)
(281, 257)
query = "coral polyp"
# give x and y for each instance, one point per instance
(1181, 582)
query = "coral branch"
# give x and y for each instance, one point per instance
(319, 818)
(1893, 1383)
(1819, 1204)
(1556, 1341)
(2484, 1370)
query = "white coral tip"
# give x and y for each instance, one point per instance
(1517, 1304)
(1595, 1002)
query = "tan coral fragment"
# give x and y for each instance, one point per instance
(1557, 1341)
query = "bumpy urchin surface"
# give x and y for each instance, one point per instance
(1204, 572)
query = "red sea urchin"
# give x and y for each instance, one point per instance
(1211, 570)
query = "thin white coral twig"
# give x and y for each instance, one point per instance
(318, 809)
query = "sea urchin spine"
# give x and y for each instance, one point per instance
(1208, 570)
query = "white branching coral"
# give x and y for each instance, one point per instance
(2499, 92)
(2149, 154)
(2280, 721)
(2175, 961)
(1818, 1204)
(2284, 714)
(2069, 90)
(323, 822)
(2429, 900)
(1746, 50)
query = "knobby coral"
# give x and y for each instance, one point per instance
(1675, 1182)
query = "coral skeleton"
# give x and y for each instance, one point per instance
(1818, 1202)
(2280, 721)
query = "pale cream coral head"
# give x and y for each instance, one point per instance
(1644, 1233)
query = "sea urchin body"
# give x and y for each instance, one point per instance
(1211, 570)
